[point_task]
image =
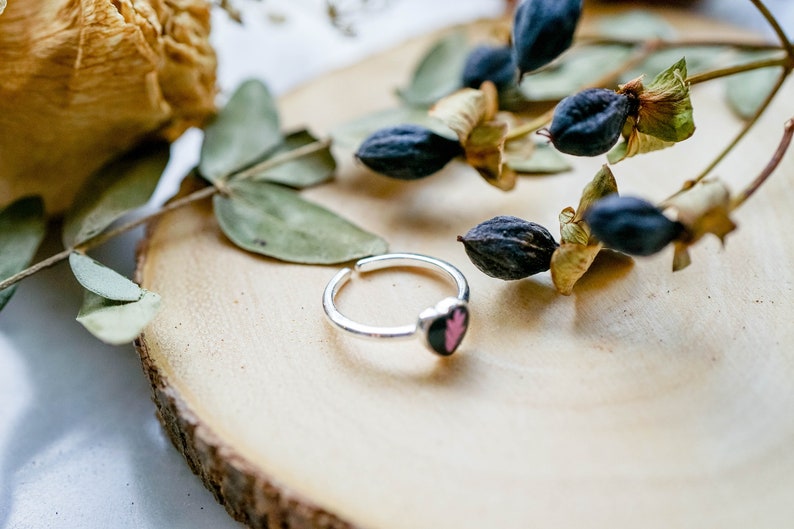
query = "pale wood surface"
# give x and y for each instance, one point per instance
(646, 399)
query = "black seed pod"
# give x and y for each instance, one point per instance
(490, 63)
(542, 30)
(589, 123)
(631, 225)
(407, 152)
(509, 248)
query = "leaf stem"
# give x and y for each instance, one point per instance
(787, 64)
(785, 142)
(742, 133)
(102, 238)
(662, 44)
(739, 68)
(282, 158)
(530, 127)
(200, 194)
(38, 267)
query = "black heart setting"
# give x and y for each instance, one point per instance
(445, 325)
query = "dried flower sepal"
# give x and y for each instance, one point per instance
(470, 114)
(578, 248)
(702, 209)
(663, 116)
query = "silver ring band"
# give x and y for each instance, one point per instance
(442, 326)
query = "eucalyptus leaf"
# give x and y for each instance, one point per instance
(117, 322)
(544, 159)
(101, 280)
(305, 171)
(243, 132)
(275, 221)
(746, 92)
(637, 24)
(352, 133)
(579, 67)
(22, 228)
(114, 190)
(439, 72)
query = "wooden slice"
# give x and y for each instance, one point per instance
(645, 399)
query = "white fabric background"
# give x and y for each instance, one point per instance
(80, 446)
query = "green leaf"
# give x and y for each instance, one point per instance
(275, 221)
(351, 134)
(117, 322)
(117, 188)
(544, 159)
(637, 24)
(579, 67)
(439, 72)
(243, 132)
(665, 108)
(305, 171)
(103, 281)
(746, 92)
(22, 228)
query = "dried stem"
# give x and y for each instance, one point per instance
(38, 267)
(742, 133)
(785, 142)
(599, 40)
(739, 68)
(196, 196)
(279, 159)
(786, 63)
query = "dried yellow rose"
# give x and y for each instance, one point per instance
(84, 80)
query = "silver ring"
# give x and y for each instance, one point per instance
(442, 327)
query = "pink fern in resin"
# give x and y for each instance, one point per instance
(456, 328)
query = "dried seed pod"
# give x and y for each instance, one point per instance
(542, 30)
(407, 152)
(490, 63)
(509, 248)
(589, 123)
(631, 225)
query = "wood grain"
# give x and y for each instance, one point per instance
(646, 399)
